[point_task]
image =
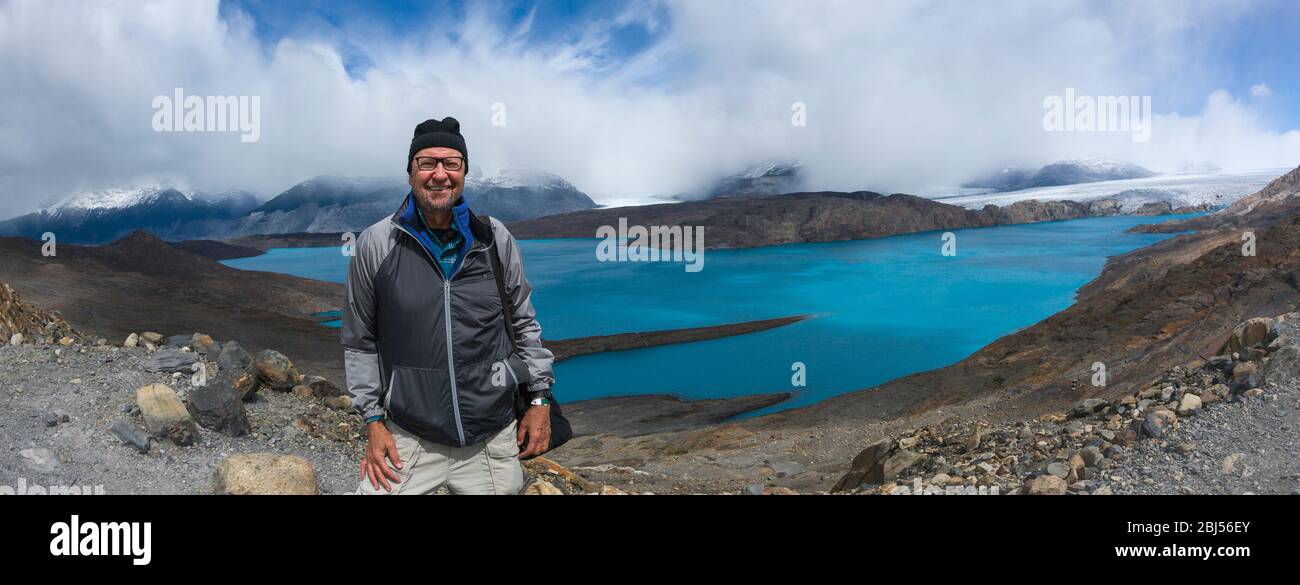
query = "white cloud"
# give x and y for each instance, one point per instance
(1260, 90)
(901, 96)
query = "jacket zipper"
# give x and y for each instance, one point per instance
(446, 312)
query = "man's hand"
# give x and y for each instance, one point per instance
(380, 444)
(534, 432)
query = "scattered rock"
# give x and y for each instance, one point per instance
(1087, 407)
(1245, 376)
(151, 337)
(1047, 485)
(165, 416)
(233, 357)
(132, 340)
(40, 459)
(202, 343)
(973, 442)
(1189, 405)
(1091, 456)
(867, 467)
(276, 371)
(901, 462)
(1222, 363)
(302, 391)
(170, 360)
(264, 474)
(1158, 423)
(339, 402)
(321, 386)
(219, 406)
(1250, 333)
(541, 487)
(16, 339)
(131, 435)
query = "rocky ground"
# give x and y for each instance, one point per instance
(58, 406)
(1228, 425)
(75, 414)
(183, 414)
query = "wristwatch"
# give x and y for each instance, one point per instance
(540, 401)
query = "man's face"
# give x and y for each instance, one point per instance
(439, 188)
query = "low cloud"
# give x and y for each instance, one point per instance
(899, 96)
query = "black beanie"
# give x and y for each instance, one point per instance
(431, 133)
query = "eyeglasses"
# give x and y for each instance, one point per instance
(449, 163)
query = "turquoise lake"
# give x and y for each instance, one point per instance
(882, 308)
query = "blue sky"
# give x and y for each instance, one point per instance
(1259, 45)
(550, 23)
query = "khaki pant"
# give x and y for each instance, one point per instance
(490, 467)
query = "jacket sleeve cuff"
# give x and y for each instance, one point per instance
(539, 386)
(373, 412)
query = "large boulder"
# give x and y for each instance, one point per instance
(233, 357)
(276, 371)
(867, 467)
(171, 360)
(249, 474)
(1250, 333)
(219, 405)
(165, 416)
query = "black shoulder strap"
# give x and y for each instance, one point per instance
(498, 271)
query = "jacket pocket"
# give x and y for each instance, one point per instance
(485, 407)
(419, 400)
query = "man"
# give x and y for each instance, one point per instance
(430, 364)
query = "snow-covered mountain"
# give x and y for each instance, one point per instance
(763, 180)
(1206, 190)
(101, 216)
(324, 204)
(1070, 172)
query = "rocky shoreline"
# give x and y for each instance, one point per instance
(749, 222)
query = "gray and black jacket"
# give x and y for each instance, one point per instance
(433, 354)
